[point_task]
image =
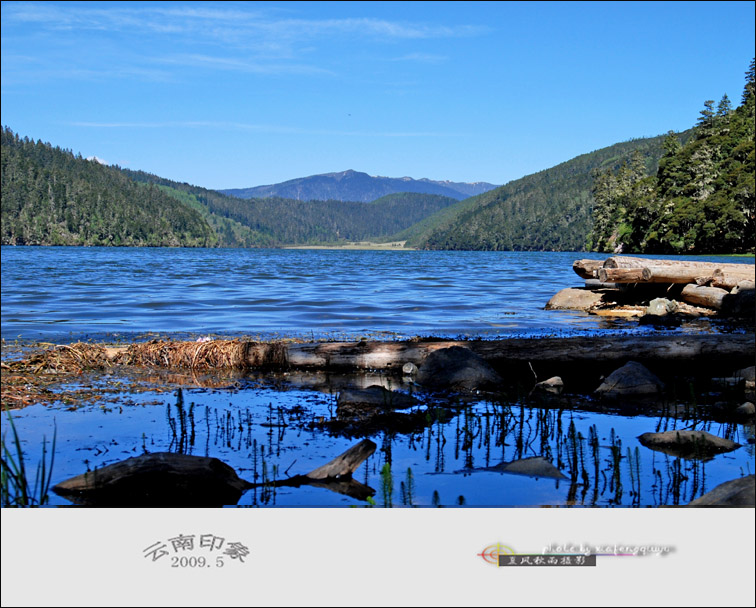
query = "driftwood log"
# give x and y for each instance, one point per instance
(587, 269)
(164, 479)
(393, 355)
(620, 275)
(626, 269)
(710, 297)
(632, 262)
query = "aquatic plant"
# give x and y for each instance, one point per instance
(387, 485)
(407, 488)
(15, 490)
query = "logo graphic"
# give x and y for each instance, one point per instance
(502, 555)
(492, 552)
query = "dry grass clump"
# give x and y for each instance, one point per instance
(212, 354)
(62, 359)
(26, 381)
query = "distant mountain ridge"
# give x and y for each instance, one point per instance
(358, 187)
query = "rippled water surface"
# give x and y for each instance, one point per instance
(59, 293)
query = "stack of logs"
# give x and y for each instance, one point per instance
(705, 283)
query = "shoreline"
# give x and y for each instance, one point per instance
(358, 246)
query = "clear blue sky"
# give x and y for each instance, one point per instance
(236, 94)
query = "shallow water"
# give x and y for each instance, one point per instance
(251, 427)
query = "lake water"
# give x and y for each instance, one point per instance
(65, 294)
(274, 422)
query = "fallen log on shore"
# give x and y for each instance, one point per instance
(720, 287)
(393, 355)
(632, 262)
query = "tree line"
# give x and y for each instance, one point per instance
(700, 200)
(52, 197)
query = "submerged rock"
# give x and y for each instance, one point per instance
(574, 298)
(632, 379)
(735, 493)
(688, 444)
(457, 368)
(537, 466)
(160, 479)
(375, 396)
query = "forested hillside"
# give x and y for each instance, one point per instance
(701, 199)
(270, 222)
(52, 197)
(546, 211)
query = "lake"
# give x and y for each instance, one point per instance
(273, 424)
(64, 294)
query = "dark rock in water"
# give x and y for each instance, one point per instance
(457, 368)
(533, 467)
(574, 298)
(668, 320)
(375, 396)
(749, 375)
(161, 479)
(632, 379)
(688, 444)
(736, 493)
(746, 410)
(375, 408)
(740, 304)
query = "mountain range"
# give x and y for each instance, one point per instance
(357, 187)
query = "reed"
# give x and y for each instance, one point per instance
(15, 489)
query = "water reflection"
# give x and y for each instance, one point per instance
(480, 453)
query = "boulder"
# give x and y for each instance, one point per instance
(688, 444)
(574, 298)
(661, 307)
(632, 379)
(746, 410)
(457, 368)
(409, 369)
(735, 493)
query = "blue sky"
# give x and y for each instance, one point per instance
(237, 94)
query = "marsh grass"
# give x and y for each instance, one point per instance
(15, 488)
